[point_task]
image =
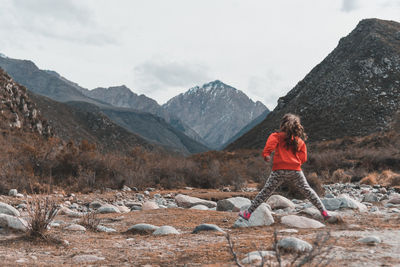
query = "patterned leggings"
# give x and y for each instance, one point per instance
(296, 178)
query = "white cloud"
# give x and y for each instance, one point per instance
(155, 75)
(349, 5)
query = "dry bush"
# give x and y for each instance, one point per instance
(389, 178)
(90, 221)
(41, 214)
(340, 176)
(370, 179)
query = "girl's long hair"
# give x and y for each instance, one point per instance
(291, 126)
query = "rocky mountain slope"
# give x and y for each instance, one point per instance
(17, 110)
(87, 123)
(122, 96)
(216, 111)
(354, 91)
(56, 87)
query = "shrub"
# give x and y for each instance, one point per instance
(370, 179)
(90, 221)
(340, 176)
(41, 214)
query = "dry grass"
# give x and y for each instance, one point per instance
(41, 214)
(90, 220)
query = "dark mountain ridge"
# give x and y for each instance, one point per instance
(354, 91)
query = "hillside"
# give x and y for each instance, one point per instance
(216, 111)
(77, 124)
(354, 91)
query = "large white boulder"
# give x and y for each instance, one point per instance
(185, 201)
(233, 204)
(280, 202)
(300, 222)
(7, 209)
(260, 217)
(12, 222)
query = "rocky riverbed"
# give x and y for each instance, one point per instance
(190, 226)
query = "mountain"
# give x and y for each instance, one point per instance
(354, 91)
(216, 111)
(17, 110)
(247, 128)
(122, 96)
(85, 121)
(52, 85)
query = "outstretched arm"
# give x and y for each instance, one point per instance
(270, 146)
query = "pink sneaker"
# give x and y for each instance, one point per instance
(245, 214)
(325, 215)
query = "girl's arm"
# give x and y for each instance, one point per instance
(303, 153)
(271, 144)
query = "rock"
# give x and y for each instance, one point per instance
(130, 204)
(300, 222)
(172, 206)
(166, 230)
(7, 209)
(383, 190)
(370, 197)
(199, 207)
(374, 209)
(347, 202)
(126, 188)
(146, 193)
(331, 203)
(12, 222)
(13, 192)
(188, 202)
(207, 227)
(314, 213)
(105, 229)
(123, 209)
(370, 240)
(256, 256)
(260, 217)
(233, 204)
(139, 196)
(95, 205)
(133, 208)
(142, 229)
(280, 202)
(87, 258)
(150, 205)
(19, 195)
(289, 231)
(22, 206)
(70, 213)
(75, 227)
(395, 200)
(293, 244)
(108, 208)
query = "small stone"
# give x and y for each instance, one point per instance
(300, 222)
(108, 208)
(383, 190)
(293, 244)
(199, 207)
(150, 205)
(370, 197)
(105, 229)
(289, 231)
(142, 229)
(188, 201)
(123, 209)
(166, 230)
(374, 209)
(146, 193)
(19, 195)
(395, 200)
(256, 256)
(130, 204)
(95, 205)
(75, 227)
(280, 202)
(207, 227)
(87, 258)
(370, 240)
(126, 188)
(13, 192)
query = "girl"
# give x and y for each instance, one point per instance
(290, 154)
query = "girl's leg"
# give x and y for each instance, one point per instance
(274, 180)
(301, 183)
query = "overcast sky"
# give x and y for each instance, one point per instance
(163, 47)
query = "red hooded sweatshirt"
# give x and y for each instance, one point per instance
(285, 159)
